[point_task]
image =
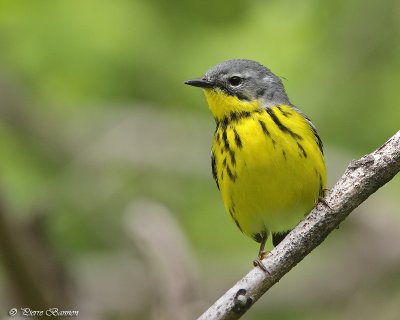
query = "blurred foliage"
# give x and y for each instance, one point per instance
(69, 54)
(94, 113)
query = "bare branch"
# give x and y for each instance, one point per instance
(361, 179)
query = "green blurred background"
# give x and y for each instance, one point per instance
(107, 204)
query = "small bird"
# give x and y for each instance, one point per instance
(267, 157)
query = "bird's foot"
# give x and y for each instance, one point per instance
(258, 262)
(262, 255)
(324, 202)
(321, 198)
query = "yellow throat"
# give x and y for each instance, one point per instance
(222, 105)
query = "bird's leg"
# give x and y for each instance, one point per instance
(261, 252)
(261, 255)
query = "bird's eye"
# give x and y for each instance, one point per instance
(235, 81)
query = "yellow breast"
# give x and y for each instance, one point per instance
(268, 164)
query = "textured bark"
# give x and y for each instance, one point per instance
(361, 179)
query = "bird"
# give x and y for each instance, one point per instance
(266, 156)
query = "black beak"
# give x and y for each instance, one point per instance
(200, 82)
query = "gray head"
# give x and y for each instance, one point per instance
(246, 79)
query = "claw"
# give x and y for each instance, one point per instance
(258, 263)
(323, 201)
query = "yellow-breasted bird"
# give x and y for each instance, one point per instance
(267, 157)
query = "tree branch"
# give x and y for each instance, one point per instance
(361, 179)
